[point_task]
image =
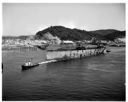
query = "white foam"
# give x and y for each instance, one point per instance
(47, 61)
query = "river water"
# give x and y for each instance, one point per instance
(93, 78)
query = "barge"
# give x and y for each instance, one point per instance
(80, 52)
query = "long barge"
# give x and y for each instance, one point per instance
(61, 55)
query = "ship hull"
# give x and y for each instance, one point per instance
(29, 67)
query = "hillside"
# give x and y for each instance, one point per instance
(73, 34)
(104, 32)
(114, 35)
(67, 34)
(23, 37)
(76, 34)
(15, 37)
(64, 33)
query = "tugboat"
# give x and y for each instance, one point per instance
(108, 50)
(29, 65)
(2, 67)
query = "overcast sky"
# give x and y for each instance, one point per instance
(27, 19)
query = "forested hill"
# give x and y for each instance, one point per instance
(104, 32)
(15, 37)
(67, 34)
(110, 34)
(76, 34)
(73, 34)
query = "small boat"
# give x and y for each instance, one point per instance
(2, 67)
(42, 47)
(108, 50)
(29, 65)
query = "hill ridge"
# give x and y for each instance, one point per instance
(65, 33)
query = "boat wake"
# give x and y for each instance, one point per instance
(50, 61)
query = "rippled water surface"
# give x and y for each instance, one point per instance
(92, 78)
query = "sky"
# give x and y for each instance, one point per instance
(29, 18)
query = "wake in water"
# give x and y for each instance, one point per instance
(48, 61)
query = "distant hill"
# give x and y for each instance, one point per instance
(116, 34)
(64, 33)
(76, 34)
(73, 34)
(104, 32)
(17, 37)
(109, 34)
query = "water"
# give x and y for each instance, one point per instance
(92, 78)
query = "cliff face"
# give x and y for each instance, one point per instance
(76, 34)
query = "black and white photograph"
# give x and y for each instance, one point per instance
(63, 52)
